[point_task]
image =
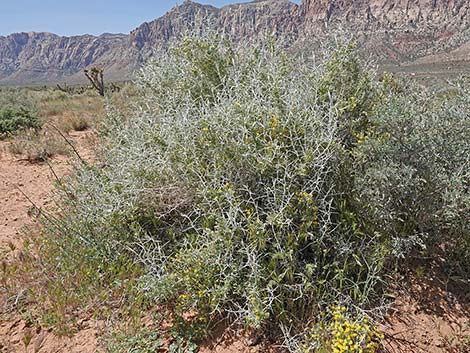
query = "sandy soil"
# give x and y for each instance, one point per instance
(429, 316)
(424, 313)
(21, 184)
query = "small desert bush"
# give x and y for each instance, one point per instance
(263, 187)
(13, 119)
(17, 97)
(144, 341)
(411, 186)
(72, 121)
(17, 112)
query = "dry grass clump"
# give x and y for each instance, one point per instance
(70, 112)
(37, 146)
(73, 121)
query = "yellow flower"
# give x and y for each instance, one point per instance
(274, 122)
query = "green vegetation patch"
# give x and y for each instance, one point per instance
(16, 118)
(17, 111)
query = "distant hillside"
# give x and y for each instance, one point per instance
(397, 32)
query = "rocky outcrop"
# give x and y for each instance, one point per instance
(186, 18)
(260, 17)
(239, 21)
(394, 31)
(28, 58)
(389, 14)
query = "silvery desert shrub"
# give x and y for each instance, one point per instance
(413, 179)
(262, 186)
(227, 184)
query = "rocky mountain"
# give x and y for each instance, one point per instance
(397, 32)
(29, 58)
(244, 20)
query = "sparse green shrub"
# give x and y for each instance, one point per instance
(17, 111)
(144, 341)
(17, 97)
(16, 118)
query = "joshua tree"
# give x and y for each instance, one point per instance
(65, 88)
(95, 75)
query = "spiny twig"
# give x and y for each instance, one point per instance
(68, 142)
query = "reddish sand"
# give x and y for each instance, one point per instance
(426, 314)
(21, 184)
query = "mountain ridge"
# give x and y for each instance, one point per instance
(395, 31)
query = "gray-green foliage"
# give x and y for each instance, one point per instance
(144, 341)
(414, 173)
(227, 187)
(254, 184)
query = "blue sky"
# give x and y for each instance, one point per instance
(72, 17)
